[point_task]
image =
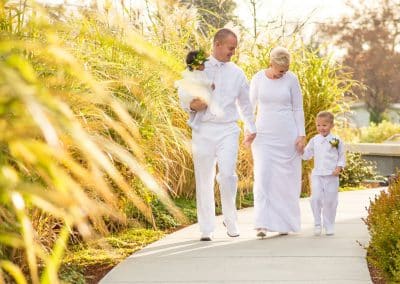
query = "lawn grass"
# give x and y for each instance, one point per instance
(89, 262)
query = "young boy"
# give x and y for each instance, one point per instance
(329, 160)
(196, 85)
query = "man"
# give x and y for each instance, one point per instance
(215, 137)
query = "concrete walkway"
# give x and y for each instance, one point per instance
(296, 258)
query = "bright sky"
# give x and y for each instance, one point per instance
(292, 10)
(267, 9)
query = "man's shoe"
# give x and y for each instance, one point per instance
(317, 230)
(206, 237)
(234, 235)
(261, 233)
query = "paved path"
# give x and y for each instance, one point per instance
(296, 258)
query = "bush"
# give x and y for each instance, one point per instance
(383, 223)
(357, 169)
(377, 133)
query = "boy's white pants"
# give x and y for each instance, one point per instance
(216, 144)
(324, 200)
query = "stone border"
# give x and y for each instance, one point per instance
(381, 149)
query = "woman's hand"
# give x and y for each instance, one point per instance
(198, 104)
(300, 144)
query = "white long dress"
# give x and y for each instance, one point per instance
(277, 164)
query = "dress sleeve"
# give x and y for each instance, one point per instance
(297, 106)
(342, 154)
(245, 106)
(254, 93)
(308, 150)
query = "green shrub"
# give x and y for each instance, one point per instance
(377, 133)
(383, 223)
(357, 169)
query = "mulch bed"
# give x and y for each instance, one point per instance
(376, 275)
(93, 274)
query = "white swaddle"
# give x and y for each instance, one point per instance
(195, 84)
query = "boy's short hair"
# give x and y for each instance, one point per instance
(195, 58)
(326, 114)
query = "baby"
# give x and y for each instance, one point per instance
(196, 85)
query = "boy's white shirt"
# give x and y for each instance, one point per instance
(326, 157)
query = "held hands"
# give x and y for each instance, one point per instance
(248, 139)
(337, 171)
(300, 144)
(198, 105)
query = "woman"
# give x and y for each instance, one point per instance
(276, 96)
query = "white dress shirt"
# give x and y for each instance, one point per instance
(326, 157)
(231, 91)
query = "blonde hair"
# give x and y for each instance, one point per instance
(326, 114)
(280, 56)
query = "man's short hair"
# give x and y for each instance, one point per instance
(222, 34)
(326, 114)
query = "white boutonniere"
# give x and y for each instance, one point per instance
(334, 142)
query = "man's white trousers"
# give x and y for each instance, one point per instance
(216, 144)
(324, 200)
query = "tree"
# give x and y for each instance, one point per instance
(370, 37)
(213, 14)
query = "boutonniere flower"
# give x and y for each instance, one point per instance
(334, 142)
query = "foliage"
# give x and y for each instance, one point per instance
(111, 249)
(72, 143)
(374, 133)
(345, 132)
(213, 14)
(357, 170)
(377, 133)
(370, 37)
(174, 28)
(188, 207)
(383, 223)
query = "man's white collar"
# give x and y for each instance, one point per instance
(215, 62)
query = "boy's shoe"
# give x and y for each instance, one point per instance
(261, 233)
(329, 232)
(317, 230)
(206, 237)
